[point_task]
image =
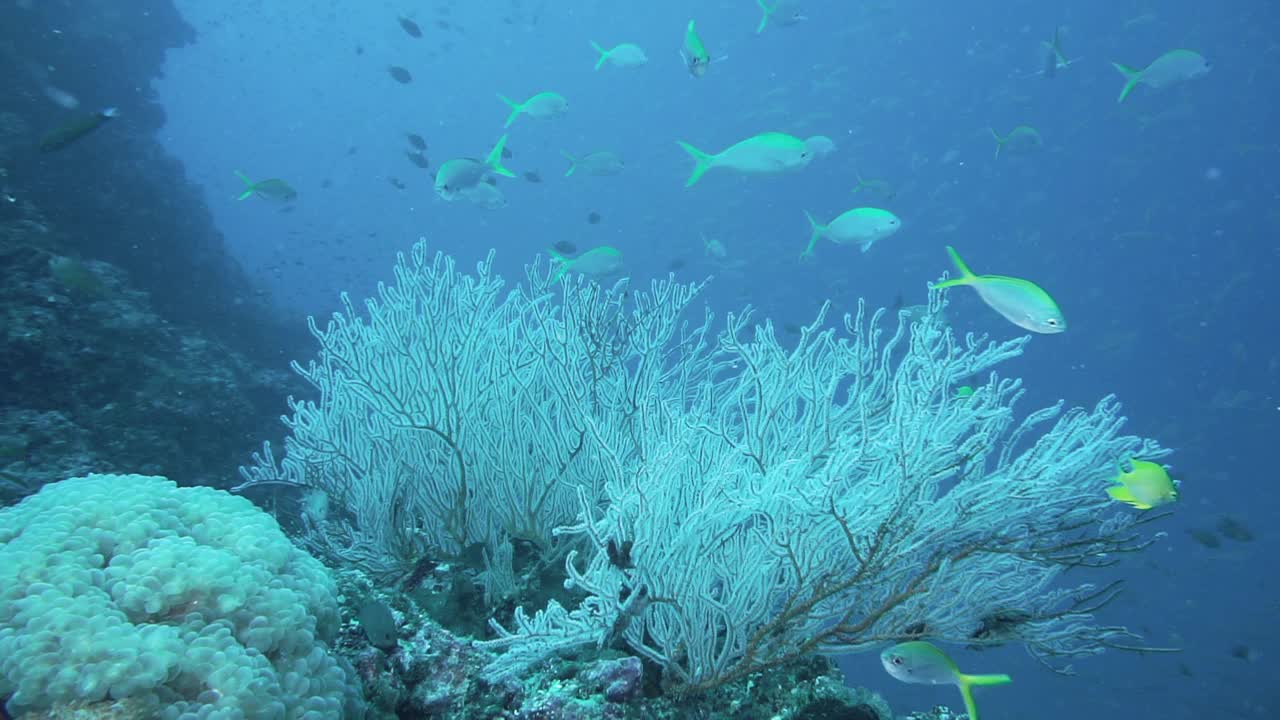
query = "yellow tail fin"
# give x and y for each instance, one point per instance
(1132, 76)
(968, 682)
(816, 231)
(604, 54)
(516, 109)
(966, 275)
(494, 160)
(702, 162)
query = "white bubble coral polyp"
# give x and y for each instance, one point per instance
(189, 600)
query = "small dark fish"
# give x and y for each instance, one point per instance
(417, 141)
(532, 176)
(76, 276)
(410, 27)
(359, 50)
(564, 247)
(397, 182)
(1051, 58)
(506, 153)
(424, 567)
(418, 159)
(1054, 58)
(916, 629)
(1205, 538)
(1234, 529)
(593, 218)
(75, 129)
(379, 625)
(326, 183)
(442, 24)
(792, 328)
(1242, 652)
(619, 554)
(353, 150)
(400, 74)
(1000, 624)
(676, 264)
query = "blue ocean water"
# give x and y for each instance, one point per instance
(1153, 223)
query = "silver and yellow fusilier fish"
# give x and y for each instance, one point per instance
(695, 55)
(597, 263)
(926, 664)
(770, 152)
(273, 189)
(76, 129)
(783, 12)
(624, 55)
(1021, 302)
(1170, 68)
(462, 174)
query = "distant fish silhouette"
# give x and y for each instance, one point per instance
(410, 27)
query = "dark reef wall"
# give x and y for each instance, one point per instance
(116, 195)
(95, 381)
(131, 340)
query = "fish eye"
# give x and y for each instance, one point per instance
(897, 659)
(1053, 322)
